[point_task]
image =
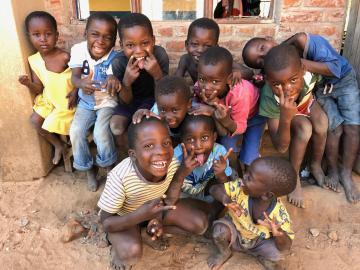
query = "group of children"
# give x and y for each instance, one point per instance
(179, 145)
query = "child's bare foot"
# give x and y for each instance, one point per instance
(296, 197)
(351, 191)
(332, 180)
(159, 244)
(216, 261)
(116, 263)
(318, 174)
(58, 153)
(270, 265)
(92, 183)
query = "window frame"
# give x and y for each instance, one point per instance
(208, 13)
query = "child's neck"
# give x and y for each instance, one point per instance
(259, 206)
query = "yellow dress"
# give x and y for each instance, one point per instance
(52, 104)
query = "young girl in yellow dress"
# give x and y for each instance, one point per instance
(50, 79)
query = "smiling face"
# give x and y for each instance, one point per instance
(290, 80)
(152, 151)
(138, 42)
(100, 36)
(173, 108)
(257, 51)
(200, 136)
(214, 78)
(42, 35)
(201, 39)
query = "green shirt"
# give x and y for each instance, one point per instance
(269, 105)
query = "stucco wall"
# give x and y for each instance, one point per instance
(23, 155)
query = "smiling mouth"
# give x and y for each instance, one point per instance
(159, 165)
(98, 49)
(196, 57)
(200, 158)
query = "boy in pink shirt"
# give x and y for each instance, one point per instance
(234, 109)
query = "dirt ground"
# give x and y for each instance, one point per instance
(33, 214)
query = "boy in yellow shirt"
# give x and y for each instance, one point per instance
(256, 221)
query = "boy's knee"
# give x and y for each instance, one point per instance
(302, 129)
(129, 254)
(118, 125)
(221, 232)
(201, 224)
(77, 133)
(337, 132)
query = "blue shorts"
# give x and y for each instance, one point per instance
(128, 110)
(250, 146)
(342, 104)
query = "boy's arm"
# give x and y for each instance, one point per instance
(182, 66)
(299, 41)
(149, 210)
(219, 193)
(85, 84)
(222, 114)
(280, 128)
(34, 85)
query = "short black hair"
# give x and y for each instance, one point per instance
(134, 19)
(282, 175)
(204, 23)
(134, 129)
(101, 16)
(216, 55)
(248, 45)
(190, 118)
(40, 14)
(281, 57)
(172, 84)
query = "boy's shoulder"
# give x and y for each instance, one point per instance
(122, 170)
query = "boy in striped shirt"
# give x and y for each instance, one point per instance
(134, 194)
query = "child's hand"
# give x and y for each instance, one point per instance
(189, 162)
(237, 77)
(141, 113)
(202, 109)
(209, 100)
(152, 67)
(153, 207)
(154, 229)
(222, 112)
(112, 85)
(132, 71)
(72, 97)
(87, 84)
(288, 108)
(24, 80)
(272, 224)
(220, 165)
(235, 208)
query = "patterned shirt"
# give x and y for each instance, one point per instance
(197, 180)
(126, 189)
(245, 225)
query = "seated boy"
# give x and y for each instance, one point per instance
(256, 221)
(340, 100)
(235, 108)
(172, 102)
(138, 66)
(133, 193)
(203, 33)
(293, 114)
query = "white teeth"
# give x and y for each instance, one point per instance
(159, 164)
(140, 58)
(196, 57)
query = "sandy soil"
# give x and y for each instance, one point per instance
(33, 214)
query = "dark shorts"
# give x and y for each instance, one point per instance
(128, 110)
(264, 248)
(342, 103)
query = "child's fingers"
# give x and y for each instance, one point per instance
(213, 95)
(185, 153)
(281, 97)
(167, 207)
(192, 152)
(228, 153)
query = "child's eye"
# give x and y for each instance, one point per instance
(205, 138)
(162, 110)
(293, 80)
(276, 85)
(108, 37)
(174, 110)
(214, 82)
(201, 80)
(194, 44)
(167, 143)
(145, 43)
(94, 34)
(190, 140)
(129, 46)
(148, 146)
